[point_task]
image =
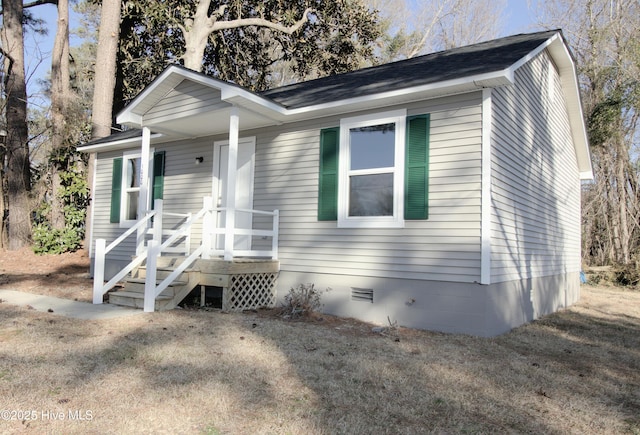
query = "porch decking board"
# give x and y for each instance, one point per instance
(237, 266)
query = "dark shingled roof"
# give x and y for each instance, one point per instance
(481, 58)
(457, 63)
(121, 135)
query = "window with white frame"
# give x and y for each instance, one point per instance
(127, 181)
(371, 170)
(374, 170)
(131, 180)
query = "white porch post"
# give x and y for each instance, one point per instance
(208, 223)
(232, 169)
(143, 195)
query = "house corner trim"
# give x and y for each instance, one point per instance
(485, 219)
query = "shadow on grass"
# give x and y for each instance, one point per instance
(56, 277)
(569, 371)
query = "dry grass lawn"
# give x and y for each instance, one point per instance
(201, 372)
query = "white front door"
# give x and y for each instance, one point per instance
(244, 187)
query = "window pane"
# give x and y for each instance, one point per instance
(373, 146)
(371, 195)
(132, 206)
(133, 173)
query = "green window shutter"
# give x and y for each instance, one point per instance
(328, 184)
(416, 196)
(116, 190)
(157, 187)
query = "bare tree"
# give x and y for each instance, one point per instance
(604, 35)
(415, 28)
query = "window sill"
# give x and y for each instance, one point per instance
(370, 223)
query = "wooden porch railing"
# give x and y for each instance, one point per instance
(155, 247)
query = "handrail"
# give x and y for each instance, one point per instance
(99, 287)
(182, 229)
(155, 248)
(130, 231)
(180, 215)
(151, 291)
(247, 210)
(273, 233)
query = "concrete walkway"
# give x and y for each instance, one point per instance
(66, 307)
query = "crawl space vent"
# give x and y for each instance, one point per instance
(362, 294)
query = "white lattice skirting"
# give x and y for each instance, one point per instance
(250, 291)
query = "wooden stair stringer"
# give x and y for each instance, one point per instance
(180, 292)
(132, 293)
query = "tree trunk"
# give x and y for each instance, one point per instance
(622, 155)
(104, 84)
(60, 97)
(105, 70)
(17, 145)
(196, 30)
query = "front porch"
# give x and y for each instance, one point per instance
(166, 268)
(235, 243)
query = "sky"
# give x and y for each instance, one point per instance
(519, 18)
(38, 49)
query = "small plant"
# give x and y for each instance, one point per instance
(302, 301)
(391, 330)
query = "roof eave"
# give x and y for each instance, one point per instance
(133, 114)
(568, 75)
(399, 96)
(117, 144)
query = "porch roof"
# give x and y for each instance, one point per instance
(181, 103)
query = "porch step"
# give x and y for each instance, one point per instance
(161, 273)
(132, 295)
(136, 300)
(136, 285)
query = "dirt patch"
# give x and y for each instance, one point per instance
(65, 275)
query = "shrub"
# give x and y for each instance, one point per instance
(627, 275)
(49, 241)
(302, 301)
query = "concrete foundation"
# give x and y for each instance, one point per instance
(466, 308)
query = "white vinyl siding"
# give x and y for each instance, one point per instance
(445, 247)
(535, 180)
(102, 228)
(185, 184)
(185, 99)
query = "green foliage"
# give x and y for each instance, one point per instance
(604, 120)
(51, 241)
(339, 37)
(74, 195)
